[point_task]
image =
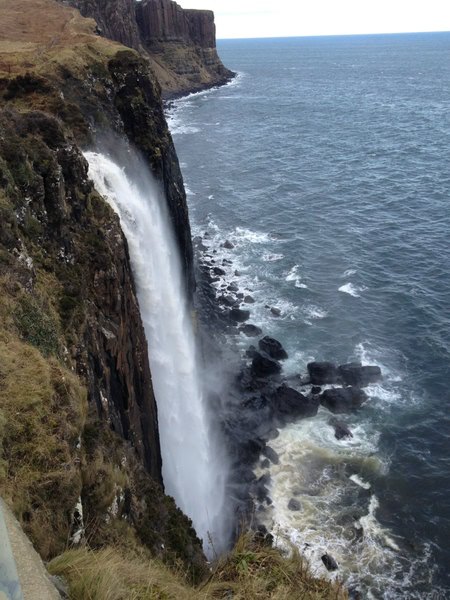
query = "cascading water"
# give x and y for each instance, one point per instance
(191, 470)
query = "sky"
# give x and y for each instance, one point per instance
(282, 18)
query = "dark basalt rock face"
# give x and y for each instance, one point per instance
(185, 41)
(115, 18)
(343, 400)
(99, 304)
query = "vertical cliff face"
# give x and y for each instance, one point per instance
(115, 19)
(182, 45)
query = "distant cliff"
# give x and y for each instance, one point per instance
(180, 44)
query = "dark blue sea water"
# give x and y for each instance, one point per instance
(326, 164)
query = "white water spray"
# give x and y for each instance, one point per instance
(191, 471)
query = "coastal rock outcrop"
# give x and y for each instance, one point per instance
(179, 44)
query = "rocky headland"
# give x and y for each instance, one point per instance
(179, 44)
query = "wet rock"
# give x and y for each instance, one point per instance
(275, 311)
(237, 273)
(238, 315)
(265, 464)
(233, 287)
(251, 351)
(249, 300)
(343, 400)
(341, 430)
(218, 271)
(357, 375)
(354, 594)
(272, 347)
(329, 562)
(289, 404)
(259, 487)
(321, 373)
(251, 330)
(227, 244)
(263, 365)
(294, 505)
(227, 300)
(270, 453)
(316, 390)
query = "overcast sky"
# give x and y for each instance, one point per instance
(279, 18)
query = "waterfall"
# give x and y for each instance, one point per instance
(190, 458)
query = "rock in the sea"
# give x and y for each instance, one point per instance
(251, 330)
(218, 271)
(294, 505)
(227, 300)
(341, 430)
(227, 244)
(249, 300)
(263, 365)
(270, 453)
(343, 400)
(272, 347)
(329, 562)
(251, 351)
(315, 390)
(358, 375)
(289, 404)
(238, 315)
(275, 311)
(321, 373)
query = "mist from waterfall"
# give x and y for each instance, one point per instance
(193, 470)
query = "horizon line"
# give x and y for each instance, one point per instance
(316, 35)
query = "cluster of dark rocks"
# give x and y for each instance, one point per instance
(263, 401)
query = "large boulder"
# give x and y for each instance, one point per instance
(329, 562)
(289, 404)
(356, 374)
(343, 400)
(238, 315)
(321, 373)
(263, 365)
(251, 330)
(273, 348)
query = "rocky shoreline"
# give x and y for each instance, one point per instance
(263, 400)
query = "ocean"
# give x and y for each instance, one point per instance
(325, 164)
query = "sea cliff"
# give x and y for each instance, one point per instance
(179, 44)
(68, 303)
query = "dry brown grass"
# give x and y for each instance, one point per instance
(40, 36)
(42, 409)
(250, 572)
